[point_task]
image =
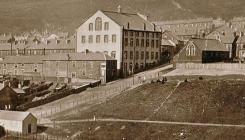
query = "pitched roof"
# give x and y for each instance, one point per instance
(52, 44)
(23, 59)
(13, 115)
(136, 22)
(184, 21)
(91, 56)
(166, 42)
(226, 34)
(208, 44)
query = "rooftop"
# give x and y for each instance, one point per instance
(92, 56)
(208, 44)
(134, 20)
(13, 115)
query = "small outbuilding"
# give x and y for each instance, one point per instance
(16, 121)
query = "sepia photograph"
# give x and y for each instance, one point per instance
(122, 70)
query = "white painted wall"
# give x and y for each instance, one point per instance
(114, 28)
(11, 125)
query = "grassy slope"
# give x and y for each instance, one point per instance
(23, 15)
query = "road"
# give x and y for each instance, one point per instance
(148, 121)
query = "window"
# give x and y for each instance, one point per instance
(113, 54)
(152, 43)
(147, 55)
(142, 42)
(152, 55)
(97, 38)
(98, 24)
(137, 42)
(157, 43)
(131, 41)
(190, 50)
(147, 43)
(137, 55)
(142, 34)
(90, 27)
(73, 75)
(106, 52)
(126, 41)
(106, 38)
(156, 56)
(74, 63)
(16, 66)
(137, 34)
(147, 35)
(131, 55)
(142, 55)
(90, 39)
(106, 26)
(131, 33)
(83, 39)
(126, 33)
(114, 39)
(125, 55)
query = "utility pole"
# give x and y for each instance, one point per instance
(67, 66)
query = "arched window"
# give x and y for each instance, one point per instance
(190, 50)
(98, 24)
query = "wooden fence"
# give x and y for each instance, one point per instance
(213, 66)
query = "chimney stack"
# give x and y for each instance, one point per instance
(144, 26)
(67, 41)
(119, 9)
(57, 41)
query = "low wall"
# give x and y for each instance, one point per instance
(212, 66)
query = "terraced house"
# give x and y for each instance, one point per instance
(128, 37)
(95, 66)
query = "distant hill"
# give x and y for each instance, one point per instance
(25, 15)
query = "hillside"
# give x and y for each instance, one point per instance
(25, 15)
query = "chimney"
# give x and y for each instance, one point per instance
(128, 25)
(154, 27)
(57, 41)
(119, 9)
(46, 42)
(4, 35)
(19, 86)
(144, 26)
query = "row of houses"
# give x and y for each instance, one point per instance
(88, 65)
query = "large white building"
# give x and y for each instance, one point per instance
(21, 122)
(128, 37)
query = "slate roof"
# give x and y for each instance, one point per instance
(91, 56)
(227, 37)
(41, 45)
(186, 21)
(166, 42)
(136, 22)
(23, 59)
(208, 44)
(13, 115)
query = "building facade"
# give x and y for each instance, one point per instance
(128, 37)
(187, 29)
(96, 66)
(21, 122)
(202, 51)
